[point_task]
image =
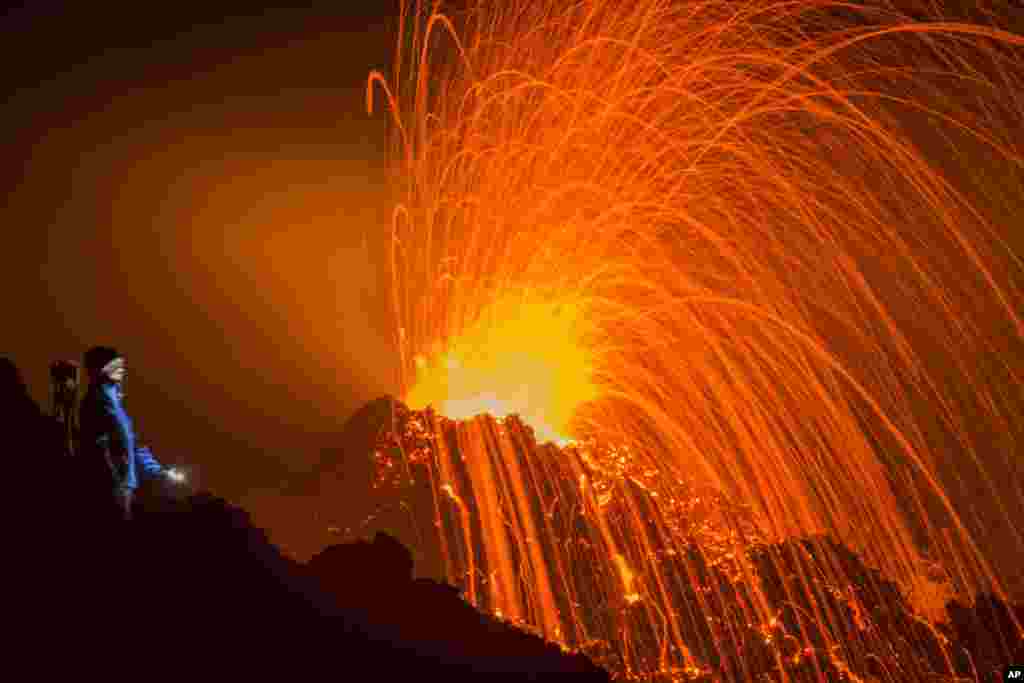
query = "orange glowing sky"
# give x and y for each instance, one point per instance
(208, 194)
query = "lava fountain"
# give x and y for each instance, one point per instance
(706, 250)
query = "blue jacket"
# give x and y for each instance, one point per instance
(108, 447)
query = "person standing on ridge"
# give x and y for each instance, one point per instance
(108, 451)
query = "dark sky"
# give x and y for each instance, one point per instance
(202, 188)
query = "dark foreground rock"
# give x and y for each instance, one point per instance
(196, 582)
(192, 588)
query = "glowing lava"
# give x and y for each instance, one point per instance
(520, 357)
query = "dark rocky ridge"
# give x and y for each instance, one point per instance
(192, 585)
(200, 574)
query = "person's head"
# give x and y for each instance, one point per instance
(105, 364)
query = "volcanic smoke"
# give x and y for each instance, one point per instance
(675, 275)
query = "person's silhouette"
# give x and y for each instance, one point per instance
(108, 450)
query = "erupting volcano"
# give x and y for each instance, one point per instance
(690, 297)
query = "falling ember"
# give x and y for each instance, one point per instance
(447, 488)
(626, 573)
(698, 247)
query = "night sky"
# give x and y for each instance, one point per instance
(203, 189)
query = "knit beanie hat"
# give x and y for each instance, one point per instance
(97, 358)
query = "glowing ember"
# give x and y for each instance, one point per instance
(626, 573)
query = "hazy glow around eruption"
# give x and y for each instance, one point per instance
(519, 357)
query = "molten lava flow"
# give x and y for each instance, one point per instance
(627, 575)
(522, 358)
